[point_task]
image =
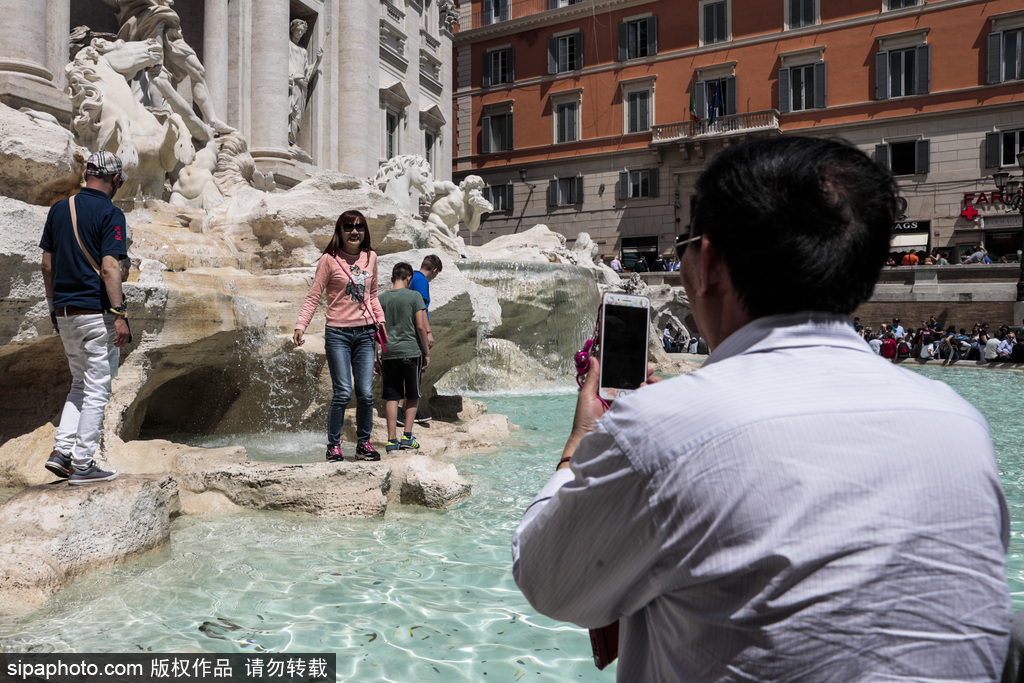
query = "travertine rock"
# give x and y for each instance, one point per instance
(429, 483)
(51, 535)
(39, 161)
(349, 489)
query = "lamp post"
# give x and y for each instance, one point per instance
(1010, 188)
(522, 179)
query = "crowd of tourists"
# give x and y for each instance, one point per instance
(933, 340)
(979, 254)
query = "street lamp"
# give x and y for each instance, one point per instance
(1010, 188)
(522, 179)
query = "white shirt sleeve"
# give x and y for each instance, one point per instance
(586, 547)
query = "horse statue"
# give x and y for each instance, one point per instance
(108, 116)
(399, 175)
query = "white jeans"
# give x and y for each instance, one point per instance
(92, 357)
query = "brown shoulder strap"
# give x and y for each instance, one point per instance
(74, 226)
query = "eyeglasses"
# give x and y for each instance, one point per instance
(348, 227)
(682, 241)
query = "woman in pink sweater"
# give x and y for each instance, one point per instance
(347, 272)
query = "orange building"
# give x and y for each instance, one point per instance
(597, 115)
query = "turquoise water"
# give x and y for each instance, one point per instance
(421, 595)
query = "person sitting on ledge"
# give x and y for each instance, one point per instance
(1006, 347)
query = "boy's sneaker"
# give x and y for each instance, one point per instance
(422, 419)
(334, 453)
(60, 464)
(392, 445)
(406, 443)
(90, 475)
(366, 451)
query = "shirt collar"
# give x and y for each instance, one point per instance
(94, 191)
(793, 330)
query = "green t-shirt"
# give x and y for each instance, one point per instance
(400, 306)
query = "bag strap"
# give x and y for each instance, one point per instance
(74, 226)
(355, 289)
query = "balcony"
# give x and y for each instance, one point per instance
(767, 120)
(498, 11)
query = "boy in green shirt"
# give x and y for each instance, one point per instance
(407, 354)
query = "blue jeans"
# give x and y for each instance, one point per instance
(350, 353)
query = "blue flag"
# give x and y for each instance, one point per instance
(713, 104)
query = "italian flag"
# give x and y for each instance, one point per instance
(693, 103)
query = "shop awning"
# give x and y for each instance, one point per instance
(912, 241)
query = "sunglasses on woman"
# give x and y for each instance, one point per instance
(348, 227)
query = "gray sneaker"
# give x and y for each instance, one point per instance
(59, 464)
(90, 475)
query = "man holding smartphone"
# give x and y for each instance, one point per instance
(723, 518)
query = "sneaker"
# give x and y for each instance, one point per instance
(60, 464)
(334, 453)
(392, 445)
(366, 451)
(90, 475)
(422, 419)
(406, 443)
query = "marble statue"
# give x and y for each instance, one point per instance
(195, 185)
(453, 203)
(146, 19)
(301, 78)
(108, 116)
(448, 14)
(399, 175)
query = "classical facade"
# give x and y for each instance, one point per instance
(598, 115)
(382, 87)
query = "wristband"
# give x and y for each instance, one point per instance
(563, 460)
(121, 310)
(430, 332)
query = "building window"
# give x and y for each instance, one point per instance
(499, 67)
(565, 191)
(715, 97)
(904, 158)
(714, 22)
(638, 38)
(565, 53)
(801, 13)
(497, 133)
(554, 4)
(802, 87)
(567, 122)
(900, 73)
(1005, 56)
(636, 248)
(1002, 148)
(501, 197)
(429, 138)
(495, 11)
(639, 183)
(638, 109)
(391, 128)
(899, 4)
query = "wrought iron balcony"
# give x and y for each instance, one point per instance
(723, 125)
(498, 11)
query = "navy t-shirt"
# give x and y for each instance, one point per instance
(421, 284)
(101, 226)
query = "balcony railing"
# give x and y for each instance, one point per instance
(723, 125)
(497, 11)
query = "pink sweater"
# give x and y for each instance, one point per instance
(343, 307)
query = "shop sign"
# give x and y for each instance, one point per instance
(909, 227)
(973, 201)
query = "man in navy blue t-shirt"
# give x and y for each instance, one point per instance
(84, 263)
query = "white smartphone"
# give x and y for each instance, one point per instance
(625, 325)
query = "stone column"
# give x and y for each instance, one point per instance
(358, 87)
(58, 23)
(25, 80)
(269, 74)
(215, 55)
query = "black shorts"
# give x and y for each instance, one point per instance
(400, 378)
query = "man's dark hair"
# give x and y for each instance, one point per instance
(401, 271)
(802, 223)
(431, 262)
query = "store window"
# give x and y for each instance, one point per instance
(635, 248)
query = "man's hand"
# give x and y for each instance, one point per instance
(121, 331)
(589, 407)
(426, 361)
(430, 340)
(53, 319)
